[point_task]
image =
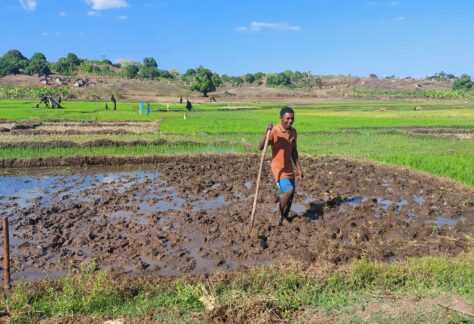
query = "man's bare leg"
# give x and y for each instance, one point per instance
(286, 200)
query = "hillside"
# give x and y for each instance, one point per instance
(311, 89)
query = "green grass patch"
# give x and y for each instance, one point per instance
(354, 130)
(262, 294)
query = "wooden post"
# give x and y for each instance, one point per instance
(6, 254)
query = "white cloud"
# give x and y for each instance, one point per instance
(44, 34)
(107, 4)
(258, 26)
(62, 13)
(28, 5)
(401, 18)
(394, 3)
(122, 17)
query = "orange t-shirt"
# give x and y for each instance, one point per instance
(282, 142)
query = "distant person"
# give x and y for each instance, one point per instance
(141, 107)
(112, 98)
(106, 106)
(189, 105)
(44, 99)
(181, 99)
(60, 99)
(148, 110)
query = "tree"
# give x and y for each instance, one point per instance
(7, 68)
(464, 83)
(131, 71)
(373, 76)
(73, 59)
(64, 66)
(150, 62)
(258, 76)
(16, 58)
(280, 79)
(149, 69)
(205, 81)
(38, 65)
(249, 78)
(225, 78)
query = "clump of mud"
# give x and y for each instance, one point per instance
(181, 215)
(460, 133)
(78, 128)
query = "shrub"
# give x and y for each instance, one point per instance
(280, 79)
(131, 71)
(249, 78)
(73, 60)
(15, 58)
(38, 65)
(7, 68)
(64, 66)
(464, 83)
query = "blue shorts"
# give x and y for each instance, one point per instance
(285, 185)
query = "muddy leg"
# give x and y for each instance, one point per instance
(286, 200)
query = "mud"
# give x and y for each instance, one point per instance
(79, 128)
(460, 133)
(93, 143)
(180, 215)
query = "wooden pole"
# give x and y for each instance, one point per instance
(6, 254)
(252, 215)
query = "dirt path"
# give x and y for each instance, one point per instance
(180, 215)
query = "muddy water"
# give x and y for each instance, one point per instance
(184, 216)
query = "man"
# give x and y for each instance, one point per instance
(284, 150)
(189, 105)
(114, 101)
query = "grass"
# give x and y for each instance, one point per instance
(354, 130)
(263, 294)
(351, 293)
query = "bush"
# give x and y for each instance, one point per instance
(73, 60)
(249, 78)
(131, 71)
(15, 57)
(373, 76)
(441, 76)
(464, 83)
(38, 65)
(280, 79)
(63, 66)
(7, 68)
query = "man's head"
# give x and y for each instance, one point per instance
(287, 117)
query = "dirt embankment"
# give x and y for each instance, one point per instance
(80, 128)
(179, 215)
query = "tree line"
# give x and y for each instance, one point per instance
(200, 79)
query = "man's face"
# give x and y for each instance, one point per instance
(287, 120)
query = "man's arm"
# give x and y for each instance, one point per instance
(296, 161)
(261, 143)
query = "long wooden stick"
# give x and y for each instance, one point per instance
(6, 254)
(252, 216)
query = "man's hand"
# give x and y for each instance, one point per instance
(300, 174)
(261, 143)
(269, 127)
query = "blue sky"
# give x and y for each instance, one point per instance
(400, 37)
